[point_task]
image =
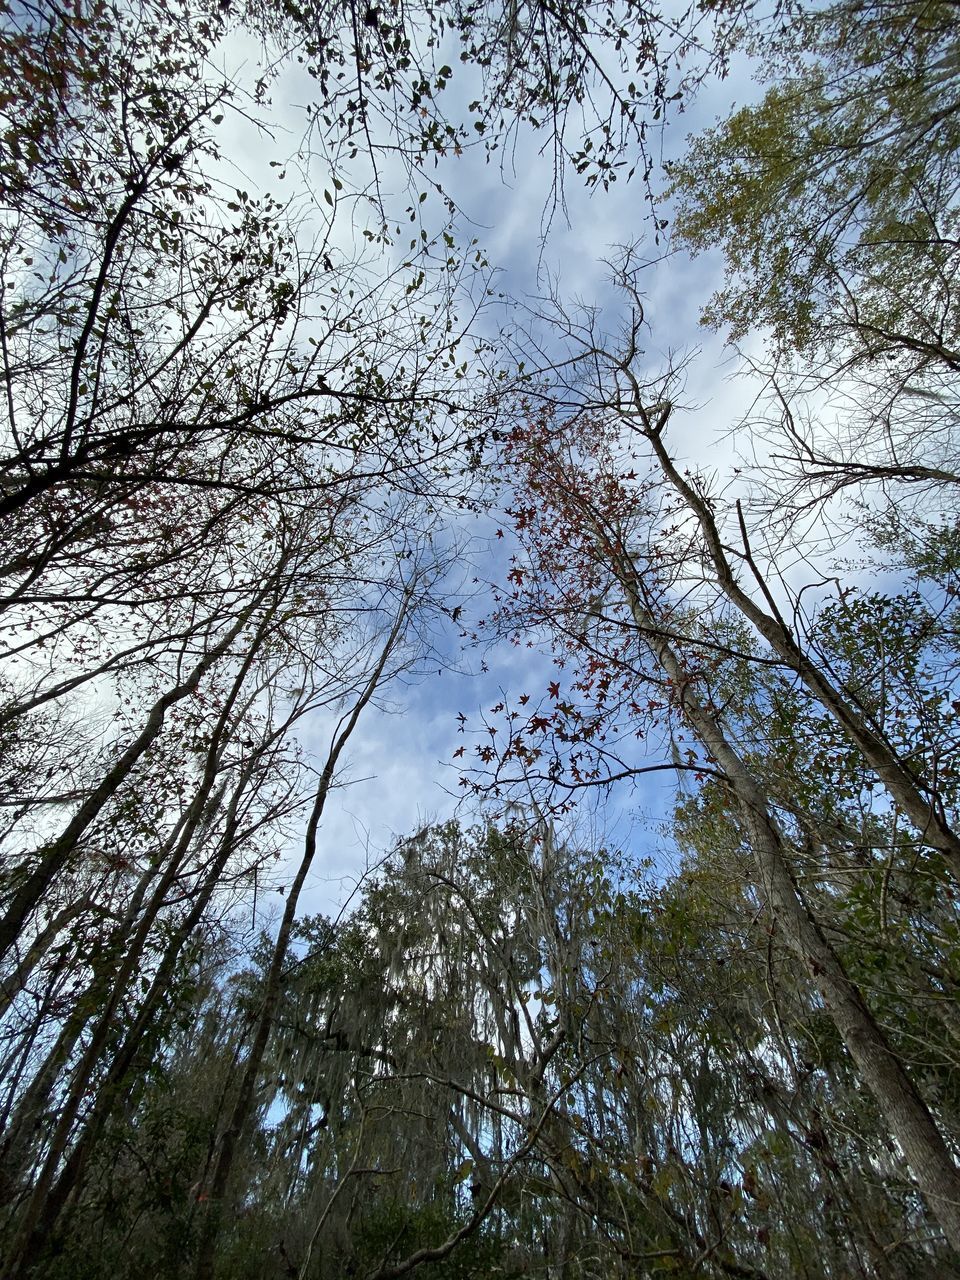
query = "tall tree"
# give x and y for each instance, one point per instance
(646, 661)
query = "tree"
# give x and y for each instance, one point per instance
(834, 198)
(700, 1109)
(834, 202)
(648, 656)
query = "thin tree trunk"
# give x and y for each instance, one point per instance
(23, 1124)
(14, 983)
(46, 1201)
(223, 1164)
(906, 1114)
(111, 1092)
(55, 856)
(921, 808)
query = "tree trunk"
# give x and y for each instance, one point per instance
(55, 856)
(919, 806)
(906, 1115)
(223, 1164)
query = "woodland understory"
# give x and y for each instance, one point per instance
(250, 440)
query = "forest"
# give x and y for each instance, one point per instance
(276, 455)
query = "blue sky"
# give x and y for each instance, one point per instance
(399, 762)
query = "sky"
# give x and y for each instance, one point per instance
(399, 764)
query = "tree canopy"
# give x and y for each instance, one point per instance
(247, 440)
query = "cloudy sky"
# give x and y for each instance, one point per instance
(400, 766)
